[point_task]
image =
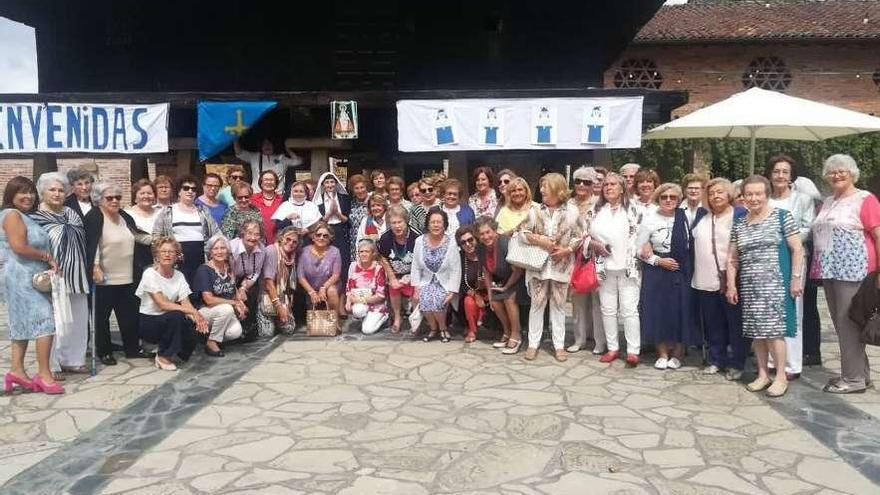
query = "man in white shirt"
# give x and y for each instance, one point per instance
(266, 159)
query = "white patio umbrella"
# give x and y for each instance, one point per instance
(760, 114)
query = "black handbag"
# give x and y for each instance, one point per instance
(870, 334)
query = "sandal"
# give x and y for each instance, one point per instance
(431, 336)
(758, 384)
(58, 377)
(512, 349)
(78, 370)
(501, 343)
(470, 338)
(445, 337)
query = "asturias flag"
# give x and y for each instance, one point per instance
(221, 122)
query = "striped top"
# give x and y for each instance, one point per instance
(186, 226)
(68, 244)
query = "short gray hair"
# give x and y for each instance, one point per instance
(588, 173)
(49, 178)
(841, 161)
(725, 184)
(248, 223)
(76, 174)
(662, 188)
(218, 237)
(101, 187)
(398, 211)
(627, 166)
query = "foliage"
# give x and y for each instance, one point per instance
(730, 157)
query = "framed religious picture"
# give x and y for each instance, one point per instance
(344, 119)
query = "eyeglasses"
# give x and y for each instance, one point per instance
(697, 188)
(242, 198)
(426, 190)
(668, 197)
(837, 172)
(320, 235)
(236, 177)
(469, 240)
(583, 182)
(187, 188)
(168, 251)
(117, 197)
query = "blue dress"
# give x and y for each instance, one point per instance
(30, 311)
(433, 294)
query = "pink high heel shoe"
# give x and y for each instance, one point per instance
(163, 366)
(41, 386)
(10, 381)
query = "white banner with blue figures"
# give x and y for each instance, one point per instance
(83, 127)
(522, 124)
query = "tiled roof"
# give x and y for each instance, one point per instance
(748, 20)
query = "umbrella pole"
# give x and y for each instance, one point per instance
(752, 131)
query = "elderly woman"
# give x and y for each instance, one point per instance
(360, 209)
(210, 198)
(279, 284)
(374, 224)
(164, 191)
(781, 171)
(505, 176)
(412, 192)
(26, 248)
(319, 268)
(365, 290)
(242, 211)
(507, 289)
(378, 181)
(143, 209)
(694, 185)
(667, 305)
(297, 212)
(80, 199)
(646, 182)
(587, 314)
(111, 237)
(267, 201)
(248, 256)
(628, 171)
(612, 240)
(722, 321)
(459, 214)
(472, 289)
(234, 173)
(396, 248)
(68, 240)
(767, 258)
(436, 273)
(601, 172)
(484, 201)
(396, 189)
(554, 227)
(335, 207)
(215, 288)
(190, 225)
(427, 200)
(517, 204)
(167, 316)
(846, 247)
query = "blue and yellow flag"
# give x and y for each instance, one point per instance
(221, 122)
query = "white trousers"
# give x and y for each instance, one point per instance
(222, 323)
(794, 346)
(544, 292)
(373, 322)
(619, 298)
(588, 319)
(72, 339)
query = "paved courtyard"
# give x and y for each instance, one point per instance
(391, 416)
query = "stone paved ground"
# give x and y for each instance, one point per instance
(391, 416)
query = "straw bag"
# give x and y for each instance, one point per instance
(321, 322)
(524, 255)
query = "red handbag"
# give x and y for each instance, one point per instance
(583, 277)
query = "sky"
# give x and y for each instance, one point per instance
(18, 58)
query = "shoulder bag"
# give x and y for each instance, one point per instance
(524, 255)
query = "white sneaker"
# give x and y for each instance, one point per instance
(711, 370)
(661, 363)
(573, 348)
(673, 364)
(598, 351)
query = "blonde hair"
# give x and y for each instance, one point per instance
(514, 183)
(160, 241)
(557, 186)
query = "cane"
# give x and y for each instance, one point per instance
(94, 368)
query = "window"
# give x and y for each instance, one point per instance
(638, 73)
(767, 73)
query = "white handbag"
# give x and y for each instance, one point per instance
(524, 255)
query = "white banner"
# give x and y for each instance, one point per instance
(531, 124)
(83, 127)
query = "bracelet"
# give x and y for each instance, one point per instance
(273, 301)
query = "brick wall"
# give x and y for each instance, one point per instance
(114, 170)
(12, 167)
(724, 65)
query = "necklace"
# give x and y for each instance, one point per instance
(223, 274)
(318, 255)
(268, 200)
(466, 272)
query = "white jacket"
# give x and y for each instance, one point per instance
(449, 274)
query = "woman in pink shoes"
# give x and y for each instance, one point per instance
(25, 246)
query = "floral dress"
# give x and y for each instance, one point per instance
(234, 217)
(484, 207)
(433, 294)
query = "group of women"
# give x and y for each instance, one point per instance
(676, 265)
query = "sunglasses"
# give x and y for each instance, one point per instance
(505, 181)
(236, 177)
(583, 182)
(242, 198)
(668, 197)
(187, 188)
(469, 240)
(117, 197)
(426, 190)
